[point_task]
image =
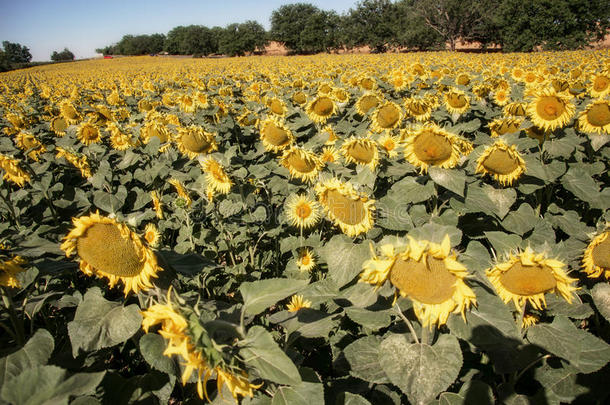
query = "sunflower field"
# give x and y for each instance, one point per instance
(421, 228)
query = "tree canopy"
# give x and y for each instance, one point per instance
(64, 55)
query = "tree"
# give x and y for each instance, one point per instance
(239, 39)
(372, 23)
(411, 30)
(16, 53)
(289, 21)
(191, 40)
(552, 24)
(62, 56)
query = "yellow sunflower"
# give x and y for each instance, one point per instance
(550, 110)
(151, 235)
(329, 154)
(297, 302)
(9, 269)
(306, 260)
(185, 198)
(275, 136)
(193, 141)
(277, 106)
(28, 143)
(69, 113)
(504, 163)
(361, 151)
(596, 118)
(301, 163)
(596, 260)
(386, 117)
(501, 97)
(176, 330)
(58, 125)
(332, 135)
(425, 272)
(366, 102)
(12, 171)
(81, 163)
(157, 205)
(432, 146)
(118, 138)
(516, 109)
(321, 109)
(600, 84)
(154, 127)
(107, 248)
(350, 211)
(218, 182)
(88, 133)
(302, 212)
(502, 126)
(389, 143)
(456, 102)
(299, 98)
(527, 276)
(418, 108)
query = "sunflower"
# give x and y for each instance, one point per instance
(321, 109)
(527, 276)
(366, 102)
(9, 269)
(28, 142)
(367, 83)
(185, 198)
(340, 95)
(350, 211)
(187, 103)
(386, 117)
(275, 136)
(277, 107)
(596, 260)
(549, 109)
(502, 162)
(218, 182)
(389, 143)
(425, 272)
(299, 98)
(302, 212)
(301, 163)
(501, 97)
(177, 329)
(595, 118)
(332, 135)
(432, 145)
(154, 127)
(537, 133)
(119, 139)
(306, 260)
(456, 102)
(157, 205)
(107, 248)
(600, 84)
(81, 163)
(516, 109)
(12, 171)
(329, 154)
(88, 133)
(361, 151)
(418, 108)
(193, 141)
(69, 113)
(503, 126)
(247, 119)
(151, 235)
(297, 302)
(58, 125)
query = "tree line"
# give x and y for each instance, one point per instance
(513, 25)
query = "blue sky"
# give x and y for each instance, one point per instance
(81, 26)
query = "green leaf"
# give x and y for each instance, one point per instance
(36, 352)
(436, 233)
(601, 298)
(409, 190)
(576, 310)
(152, 347)
(451, 179)
(51, 386)
(521, 221)
(344, 258)
(419, 370)
(581, 184)
(490, 200)
(305, 393)
(100, 323)
(363, 358)
(271, 363)
(260, 295)
(107, 202)
(393, 213)
(502, 242)
(583, 350)
(560, 383)
(354, 399)
(374, 320)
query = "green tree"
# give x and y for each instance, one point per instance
(372, 23)
(191, 40)
(552, 24)
(16, 53)
(289, 21)
(239, 39)
(321, 32)
(411, 30)
(64, 55)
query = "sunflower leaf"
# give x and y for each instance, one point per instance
(260, 295)
(421, 371)
(152, 347)
(344, 258)
(601, 298)
(452, 180)
(264, 355)
(36, 352)
(363, 358)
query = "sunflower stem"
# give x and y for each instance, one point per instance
(532, 364)
(521, 316)
(11, 210)
(406, 320)
(17, 325)
(425, 335)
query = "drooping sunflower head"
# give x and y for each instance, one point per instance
(350, 211)
(425, 272)
(366, 102)
(527, 276)
(9, 269)
(386, 117)
(69, 113)
(502, 126)
(118, 138)
(107, 248)
(88, 133)
(12, 171)
(301, 211)
(321, 109)
(275, 135)
(515, 109)
(306, 260)
(600, 84)
(59, 125)
(340, 95)
(596, 259)
(539, 134)
(418, 108)
(154, 127)
(502, 162)
(550, 110)
(194, 141)
(596, 118)
(299, 98)
(218, 181)
(277, 106)
(29, 143)
(456, 102)
(301, 163)
(432, 146)
(361, 151)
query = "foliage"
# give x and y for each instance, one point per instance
(64, 55)
(12, 55)
(195, 160)
(239, 39)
